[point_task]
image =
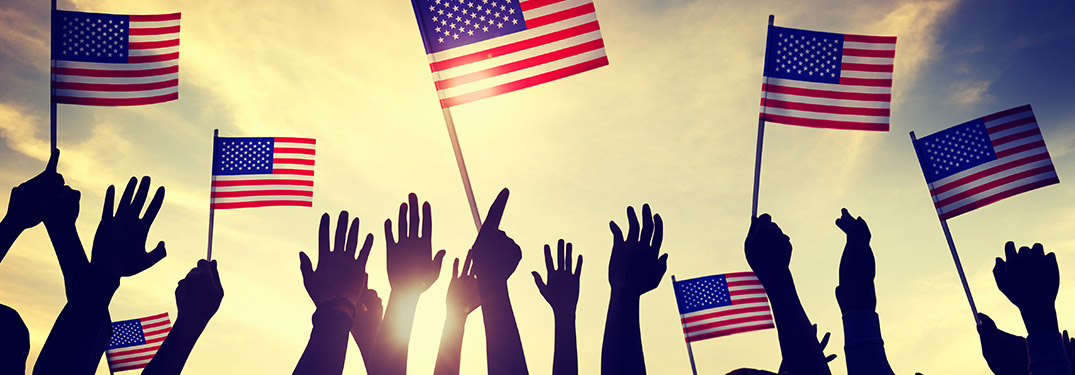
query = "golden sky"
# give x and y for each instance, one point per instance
(671, 121)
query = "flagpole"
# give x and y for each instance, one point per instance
(761, 136)
(462, 167)
(212, 196)
(951, 243)
(52, 88)
(690, 352)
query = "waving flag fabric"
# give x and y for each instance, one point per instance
(483, 48)
(721, 305)
(985, 160)
(827, 80)
(135, 342)
(262, 172)
(114, 60)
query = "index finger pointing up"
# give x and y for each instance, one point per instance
(496, 211)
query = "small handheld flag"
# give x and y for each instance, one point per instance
(135, 342)
(721, 305)
(114, 60)
(262, 172)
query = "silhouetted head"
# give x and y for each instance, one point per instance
(15, 345)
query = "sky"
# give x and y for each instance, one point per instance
(670, 122)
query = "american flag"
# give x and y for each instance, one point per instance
(721, 305)
(483, 48)
(135, 341)
(827, 80)
(984, 160)
(263, 172)
(114, 60)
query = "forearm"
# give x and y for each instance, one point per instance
(365, 347)
(74, 346)
(327, 348)
(395, 334)
(69, 251)
(1044, 345)
(798, 341)
(621, 349)
(503, 344)
(175, 350)
(451, 344)
(864, 349)
(565, 357)
(8, 234)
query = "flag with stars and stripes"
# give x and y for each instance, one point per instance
(828, 80)
(263, 172)
(984, 160)
(483, 48)
(114, 60)
(721, 305)
(134, 342)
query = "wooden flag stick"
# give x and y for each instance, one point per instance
(52, 88)
(761, 136)
(948, 236)
(690, 352)
(462, 167)
(212, 196)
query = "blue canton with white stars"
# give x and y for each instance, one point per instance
(804, 55)
(245, 155)
(90, 37)
(127, 333)
(447, 24)
(955, 149)
(702, 293)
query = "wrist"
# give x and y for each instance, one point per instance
(1039, 318)
(7, 225)
(338, 311)
(188, 328)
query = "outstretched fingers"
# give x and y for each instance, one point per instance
(413, 220)
(154, 206)
(632, 225)
(548, 260)
(338, 245)
(647, 225)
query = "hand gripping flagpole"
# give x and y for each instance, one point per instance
(761, 129)
(948, 236)
(690, 352)
(212, 195)
(52, 87)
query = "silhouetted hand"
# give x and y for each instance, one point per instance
(1005, 353)
(768, 249)
(857, 266)
(409, 266)
(339, 273)
(31, 200)
(198, 295)
(635, 267)
(463, 297)
(119, 245)
(1029, 278)
(824, 343)
(562, 290)
(496, 256)
(63, 209)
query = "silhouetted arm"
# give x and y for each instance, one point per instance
(335, 287)
(412, 269)
(1030, 279)
(496, 256)
(562, 294)
(462, 300)
(81, 332)
(768, 251)
(198, 297)
(367, 324)
(29, 202)
(863, 347)
(1005, 353)
(636, 267)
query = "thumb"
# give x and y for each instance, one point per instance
(305, 266)
(156, 255)
(539, 282)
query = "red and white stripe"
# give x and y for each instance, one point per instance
(562, 38)
(150, 75)
(749, 311)
(1022, 164)
(155, 328)
(859, 102)
(290, 184)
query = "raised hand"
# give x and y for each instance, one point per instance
(198, 295)
(562, 290)
(339, 273)
(767, 248)
(410, 268)
(366, 326)
(857, 266)
(496, 256)
(1029, 278)
(119, 245)
(31, 200)
(463, 297)
(1005, 353)
(637, 266)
